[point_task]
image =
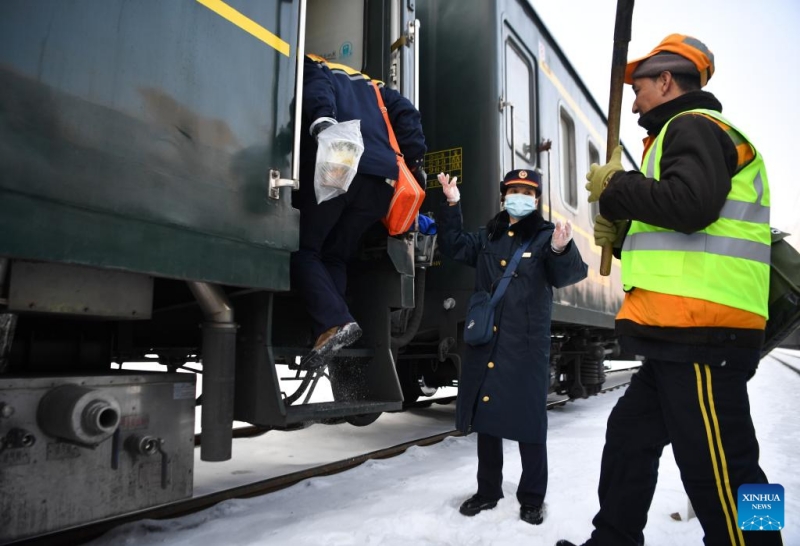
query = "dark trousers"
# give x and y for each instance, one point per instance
(329, 236)
(704, 412)
(533, 481)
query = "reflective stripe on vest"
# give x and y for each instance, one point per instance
(728, 261)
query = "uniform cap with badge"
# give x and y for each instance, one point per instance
(522, 177)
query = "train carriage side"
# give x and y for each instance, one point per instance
(496, 94)
(146, 165)
(147, 155)
(120, 132)
(138, 142)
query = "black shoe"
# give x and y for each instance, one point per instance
(475, 504)
(565, 543)
(530, 513)
(328, 344)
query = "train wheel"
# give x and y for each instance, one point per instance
(347, 384)
(577, 391)
(362, 420)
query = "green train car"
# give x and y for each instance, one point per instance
(148, 154)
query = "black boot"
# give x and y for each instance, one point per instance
(531, 513)
(475, 504)
(565, 543)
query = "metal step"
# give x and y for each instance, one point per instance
(332, 410)
(346, 352)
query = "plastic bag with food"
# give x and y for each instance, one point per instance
(339, 150)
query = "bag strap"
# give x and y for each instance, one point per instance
(392, 138)
(509, 273)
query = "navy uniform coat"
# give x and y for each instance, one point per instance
(508, 398)
(339, 92)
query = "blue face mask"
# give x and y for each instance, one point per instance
(519, 205)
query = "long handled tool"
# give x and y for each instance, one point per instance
(622, 36)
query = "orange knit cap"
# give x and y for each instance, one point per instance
(690, 48)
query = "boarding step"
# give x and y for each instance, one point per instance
(333, 410)
(347, 352)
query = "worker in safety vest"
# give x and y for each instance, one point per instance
(693, 227)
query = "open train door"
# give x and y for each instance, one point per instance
(377, 38)
(397, 282)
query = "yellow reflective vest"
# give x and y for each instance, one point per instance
(728, 261)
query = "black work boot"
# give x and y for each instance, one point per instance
(475, 504)
(531, 513)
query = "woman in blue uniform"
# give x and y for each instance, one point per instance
(503, 385)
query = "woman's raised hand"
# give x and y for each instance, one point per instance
(449, 188)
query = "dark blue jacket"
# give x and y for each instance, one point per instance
(518, 381)
(339, 92)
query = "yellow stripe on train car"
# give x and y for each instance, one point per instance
(548, 72)
(245, 23)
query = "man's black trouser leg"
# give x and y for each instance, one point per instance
(310, 275)
(329, 236)
(704, 412)
(635, 438)
(715, 446)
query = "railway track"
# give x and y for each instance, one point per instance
(251, 431)
(85, 533)
(789, 358)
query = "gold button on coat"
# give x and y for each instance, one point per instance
(490, 365)
(510, 233)
(485, 398)
(494, 328)
(503, 263)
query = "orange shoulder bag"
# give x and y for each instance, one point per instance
(408, 196)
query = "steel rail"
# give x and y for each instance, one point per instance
(793, 363)
(252, 431)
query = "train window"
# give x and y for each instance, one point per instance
(335, 31)
(594, 157)
(569, 178)
(519, 93)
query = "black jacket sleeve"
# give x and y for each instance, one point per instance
(319, 96)
(697, 164)
(566, 268)
(454, 242)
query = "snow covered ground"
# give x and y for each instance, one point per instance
(413, 499)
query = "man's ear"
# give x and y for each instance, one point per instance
(666, 81)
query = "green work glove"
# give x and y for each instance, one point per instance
(606, 231)
(598, 176)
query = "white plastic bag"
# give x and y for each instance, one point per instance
(339, 150)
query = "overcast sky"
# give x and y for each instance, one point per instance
(756, 49)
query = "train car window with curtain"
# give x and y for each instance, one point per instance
(519, 93)
(569, 179)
